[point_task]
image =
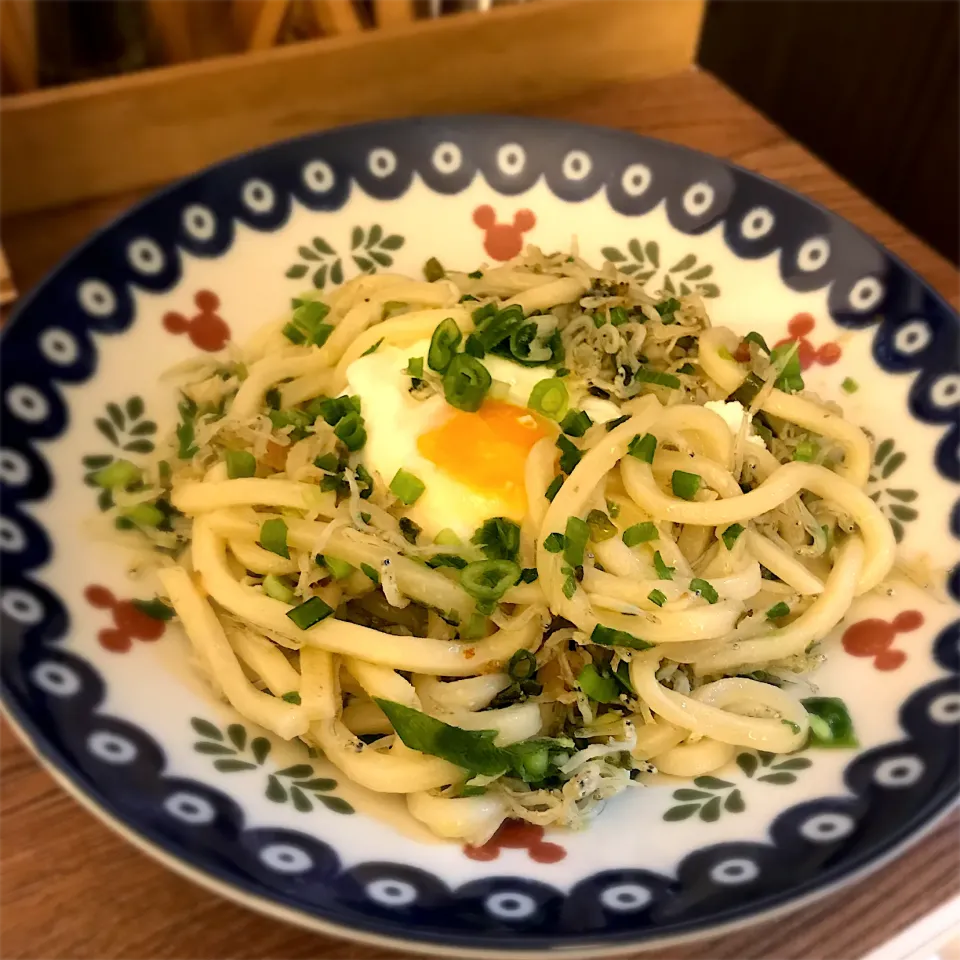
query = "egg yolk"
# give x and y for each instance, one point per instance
(487, 451)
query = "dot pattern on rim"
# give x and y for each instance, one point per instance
(58, 697)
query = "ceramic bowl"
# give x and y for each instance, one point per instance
(106, 696)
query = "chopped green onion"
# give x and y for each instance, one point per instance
(849, 385)
(306, 323)
(409, 529)
(392, 307)
(554, 542)
(778, 610)
(685, 485)
(786, 359)
(663, 571)
(640, 533)
(806, 451)
(156, 609)
(687, 368)
(339, 568)
(643, 448)
(657, 377)
(668, 306)
(433, 270)
(570, 581)
(273, 537)
(291, 696)
(240, 463)
(333, 409)
(600, 526)
(474, 347)
(747, 392)
(370, 572)
(554, 488)
(482, 314)
(447, 538)
(705, 589)
(499, 538)
(598, 686)
(570, 454)
(474, 750)
(373, 348)
(310, 612)
(522, 665)
(561, 372)
(466, 383)
(608, 637)
(754, 337)
(658, 597)
(529, 575)
(446, 560)
(476, 275)
(443, 345)
(476, 626)
(576, 423)
(549, 398)
(272, 398)
(613, 508)
(599, 320)
(493, 331)
(618, 316)
(120, 473)
(613, 424)
(145, 515)
(489, 579)
(415, 368)
(575, 541)
(406, 487)
(276, 588)
(731, 534)
(364, 482)
(830, 723)
(351, 431)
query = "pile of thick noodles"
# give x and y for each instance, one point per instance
(670, 581)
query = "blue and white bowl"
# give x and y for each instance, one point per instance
(109, 701)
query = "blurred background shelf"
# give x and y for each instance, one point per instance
(870, 86)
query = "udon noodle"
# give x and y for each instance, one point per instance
(646, 611)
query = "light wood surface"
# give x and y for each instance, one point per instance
(72, 889)
(175, 120)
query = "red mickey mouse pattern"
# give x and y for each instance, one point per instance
(874, 638)
(503, 241)
(518, 835)
(207, 330)
(129, 623)
(799, 327)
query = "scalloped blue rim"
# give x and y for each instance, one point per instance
(441, 917)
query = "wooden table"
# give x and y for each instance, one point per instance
(70, 888)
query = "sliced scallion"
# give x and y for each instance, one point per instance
(778, 610)
(608, 637)
(274, 587)
(466, 383)
(310, 612)
(406, 487)
(489, 579)
(554, 488)
(549, 398)
(731, 534)
(554, 542)
(598, 686)
(576, 423)
(433, 270)
(705, 589)
(601, 527)
(657, 377)
(570, 454)
(685, 485)
(273, 537)
(640, 533)
(658, 597)
(664, 572)
(120, 473)
(576, 535)
(240, 463)
(643, 448)
(443, 345)
(340, 569)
